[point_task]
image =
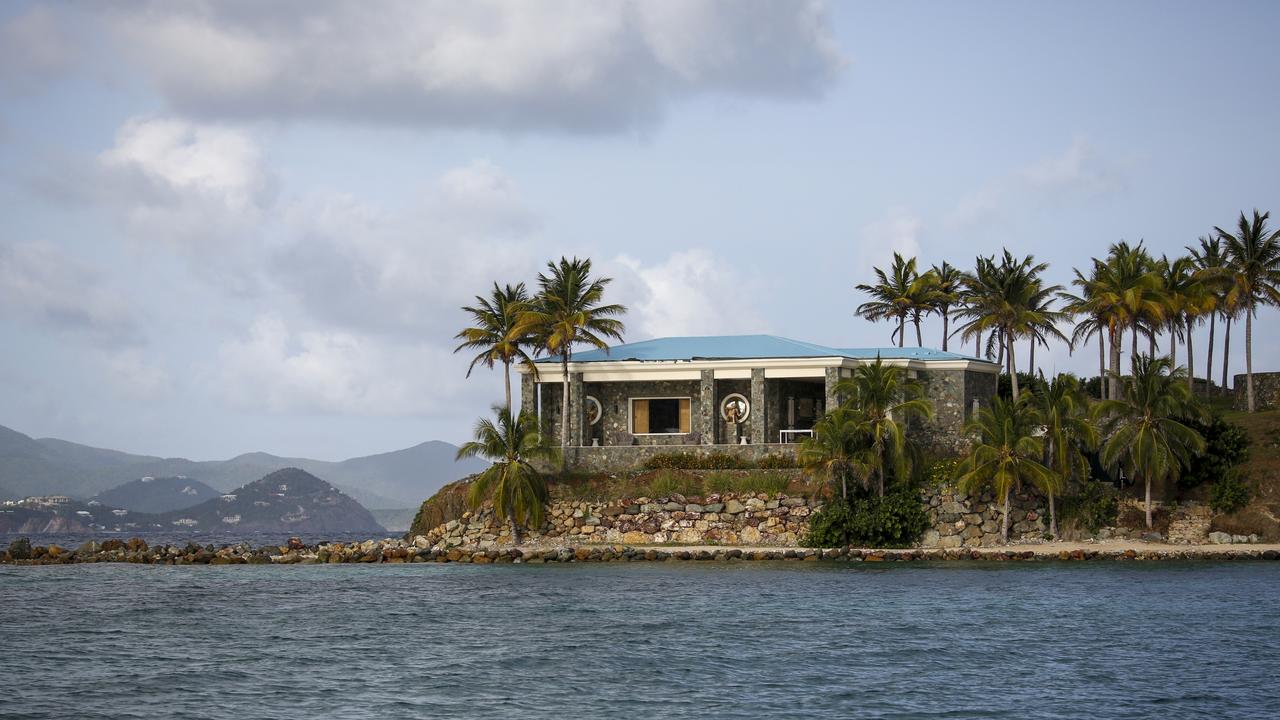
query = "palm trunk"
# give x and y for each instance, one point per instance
(1248, 357)
(1102, 365)
(919, 338)
(1013, 369)
(1031, 358)
(515, 530)
(945, 325)
(1133, 349)
(506, 379)
(564, 402)
(1173, 346)
(1113, 382)
(1226, 352)
(902, 328)
(1053, 518)
(1151, 341)
(1148, 480)
(977, 345)
(1208, 365)
(1004, 528)
(1000, 344)
(1191, 360)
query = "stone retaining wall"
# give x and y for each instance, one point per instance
(956, 520)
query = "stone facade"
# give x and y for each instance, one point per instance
(1266, 391)
(627, 457)
(777, 404)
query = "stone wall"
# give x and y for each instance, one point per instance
(956, 520)
(626, 457)
(1266, 391)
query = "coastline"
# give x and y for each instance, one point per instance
(391, 551)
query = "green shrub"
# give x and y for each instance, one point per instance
(667, 483)
(771, 483)
(896, 520)
(719, 482)
(1229, 494)
(1226, 446)
(777, 461)
(1096, 506)
(692, 461)
(941, 473)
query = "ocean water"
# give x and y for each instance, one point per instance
(641, 640)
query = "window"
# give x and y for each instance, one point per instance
(732, 404)
(659, 416)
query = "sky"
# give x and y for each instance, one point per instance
(237, 226)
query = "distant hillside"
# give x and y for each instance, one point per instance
(291, 499)
(157, 495)
(402, 478)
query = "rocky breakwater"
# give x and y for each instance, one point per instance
(727, 519)
(389, 551)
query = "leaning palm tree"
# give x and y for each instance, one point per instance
(886, 400)
(1143, 427)
(1068, 431)
(1254, 255)
(515, 444)
(569, 311)
(898, 294)
(496, 332)
(947, 282)
(1005, 453)
(837, 450)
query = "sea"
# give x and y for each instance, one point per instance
(642, 640)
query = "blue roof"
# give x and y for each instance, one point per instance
(746, 347)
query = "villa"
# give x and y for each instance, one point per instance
(750, 395)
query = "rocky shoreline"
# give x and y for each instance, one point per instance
(135, 550)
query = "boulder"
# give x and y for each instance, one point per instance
(733, 507)
(1220, 538)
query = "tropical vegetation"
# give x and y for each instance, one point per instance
(513, 483)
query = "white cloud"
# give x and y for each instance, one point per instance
(692, 292)
(41, 283)
(35, 47)
(897, 232)
(330, 371)
(362, 266)
(1079, 171)
(594, 65)
(136, 375)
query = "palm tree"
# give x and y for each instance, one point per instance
(1005, 452)
(1143, 430)
(514, 443)
(1186, 298)
(837, 450)
(1009, 300)
(947, 281)
(568, 311)
(1211, 263)
(1255, 263)
(886, 399)
(897, 295)
(1068, 431)
(496, 332)
(1123, 292)
(1090, 320)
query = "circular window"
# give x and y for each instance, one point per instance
(594, 412)
(735, 408)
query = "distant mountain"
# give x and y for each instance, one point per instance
(399, 479)
(291, 499)
(157, 495)
(288, 501)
